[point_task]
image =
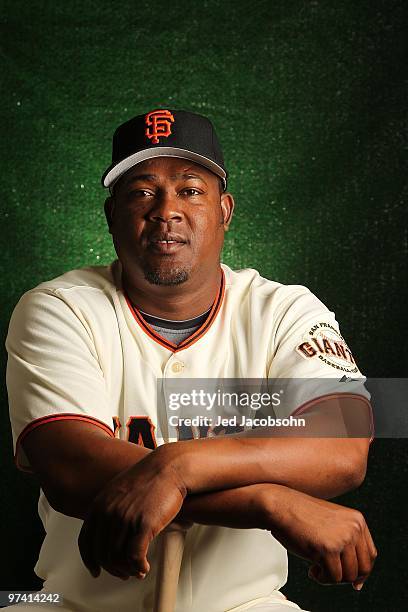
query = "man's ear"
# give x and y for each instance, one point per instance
(227, 207)
(109, 211)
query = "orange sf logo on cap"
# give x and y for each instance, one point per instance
(158, 124)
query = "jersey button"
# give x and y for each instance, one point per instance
(177, 367)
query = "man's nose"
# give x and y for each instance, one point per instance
(167, 207)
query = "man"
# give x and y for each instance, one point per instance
(85, 353)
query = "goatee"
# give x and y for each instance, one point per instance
(173, 276)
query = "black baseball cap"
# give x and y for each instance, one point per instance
(168, 133)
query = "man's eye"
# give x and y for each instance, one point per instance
(140, 193)
(191, 191)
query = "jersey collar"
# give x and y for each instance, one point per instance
(174, 348)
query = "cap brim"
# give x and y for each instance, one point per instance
(113, 173)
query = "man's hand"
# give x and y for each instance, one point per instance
(144, 493)
(334, 538)
(139, 503)
(126, 515)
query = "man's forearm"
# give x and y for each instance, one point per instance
(240, 508)
(75, 481)
(335, 539)
(73, 495)
(73, 474)
(225, 467)
(320, 466)
(78, 472)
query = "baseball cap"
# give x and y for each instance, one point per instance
(168, 133)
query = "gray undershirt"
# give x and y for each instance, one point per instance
(175, 331)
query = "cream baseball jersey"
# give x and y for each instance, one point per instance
(79, 350)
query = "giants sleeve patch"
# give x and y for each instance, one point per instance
(323, 341)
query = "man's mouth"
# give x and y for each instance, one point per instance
(166, 241)
(166, 244)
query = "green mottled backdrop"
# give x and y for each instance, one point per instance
(309, 99)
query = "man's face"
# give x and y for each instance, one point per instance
(168, 218)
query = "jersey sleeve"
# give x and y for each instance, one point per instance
(53, 372)
(310, 358)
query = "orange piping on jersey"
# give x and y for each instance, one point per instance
(148, 329)
(68, 416)
(316, 400)
(174, 348)
(209, 320)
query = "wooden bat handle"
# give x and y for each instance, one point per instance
(170, 555)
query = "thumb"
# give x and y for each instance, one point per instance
(137, 554)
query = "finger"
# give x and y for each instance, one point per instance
(110, 547)
(107, 527)
(328, 570)
(100, 539)
(85, 543)
(366, 553)
(370, 544)
(349, 563)
(136, 553)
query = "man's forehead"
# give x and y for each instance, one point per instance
(168, 167)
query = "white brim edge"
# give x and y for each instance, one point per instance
(123, 166)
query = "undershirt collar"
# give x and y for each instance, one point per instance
(171, 324)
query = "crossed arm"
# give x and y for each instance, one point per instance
(130, 494)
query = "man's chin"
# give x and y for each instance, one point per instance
(166, 277)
